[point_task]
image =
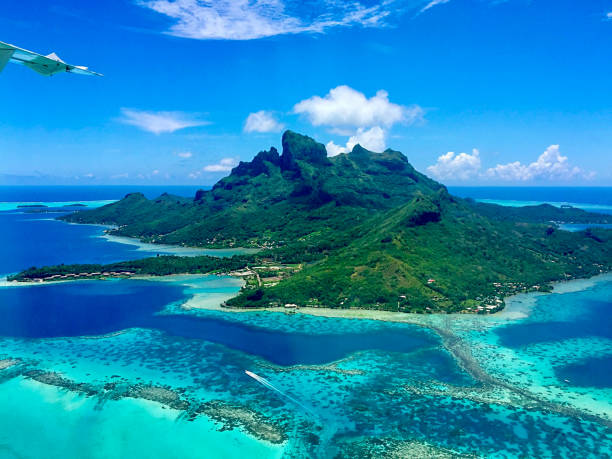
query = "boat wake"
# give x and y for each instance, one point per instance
(264, 382)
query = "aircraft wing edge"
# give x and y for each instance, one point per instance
(44, 65)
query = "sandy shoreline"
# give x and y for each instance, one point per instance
(176, 249)
(167, 249)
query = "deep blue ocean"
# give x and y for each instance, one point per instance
(37, 239)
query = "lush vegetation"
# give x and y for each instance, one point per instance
(153, 266)
(362, 230)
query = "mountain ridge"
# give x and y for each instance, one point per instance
(300, 185)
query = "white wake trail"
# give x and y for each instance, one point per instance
(264, 382)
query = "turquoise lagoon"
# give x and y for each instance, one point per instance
(121, 368)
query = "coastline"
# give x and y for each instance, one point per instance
(518, 306)
(168, 249)
(188, 280)
(509, 311)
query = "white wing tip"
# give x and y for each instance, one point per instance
(54, 57)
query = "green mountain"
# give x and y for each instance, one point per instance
(272, 199)
(367, 230)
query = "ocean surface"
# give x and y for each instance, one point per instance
(120, 368)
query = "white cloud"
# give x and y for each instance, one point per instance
(253, 19)
(433, 3)
(225, 165)
(159, 122)
(262, 121)
(456, 167)
(184, 154)
(333, 149)
(609, 16)
(372, 139)
(349, 112)
(344, 107)
(550, 165)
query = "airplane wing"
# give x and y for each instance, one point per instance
(45, 65)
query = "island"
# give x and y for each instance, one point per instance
(357, 230)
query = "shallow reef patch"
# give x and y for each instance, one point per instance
(232, 415)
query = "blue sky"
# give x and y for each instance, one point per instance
(472, 91)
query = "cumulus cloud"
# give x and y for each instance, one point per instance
(372, 139)
(609, 16)
(350, 112)
(456, 167)
(225, 165)
(550, 165)
(253, 19)
(159, 122)
(262, 121)
(345, 107)
(184, 154)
